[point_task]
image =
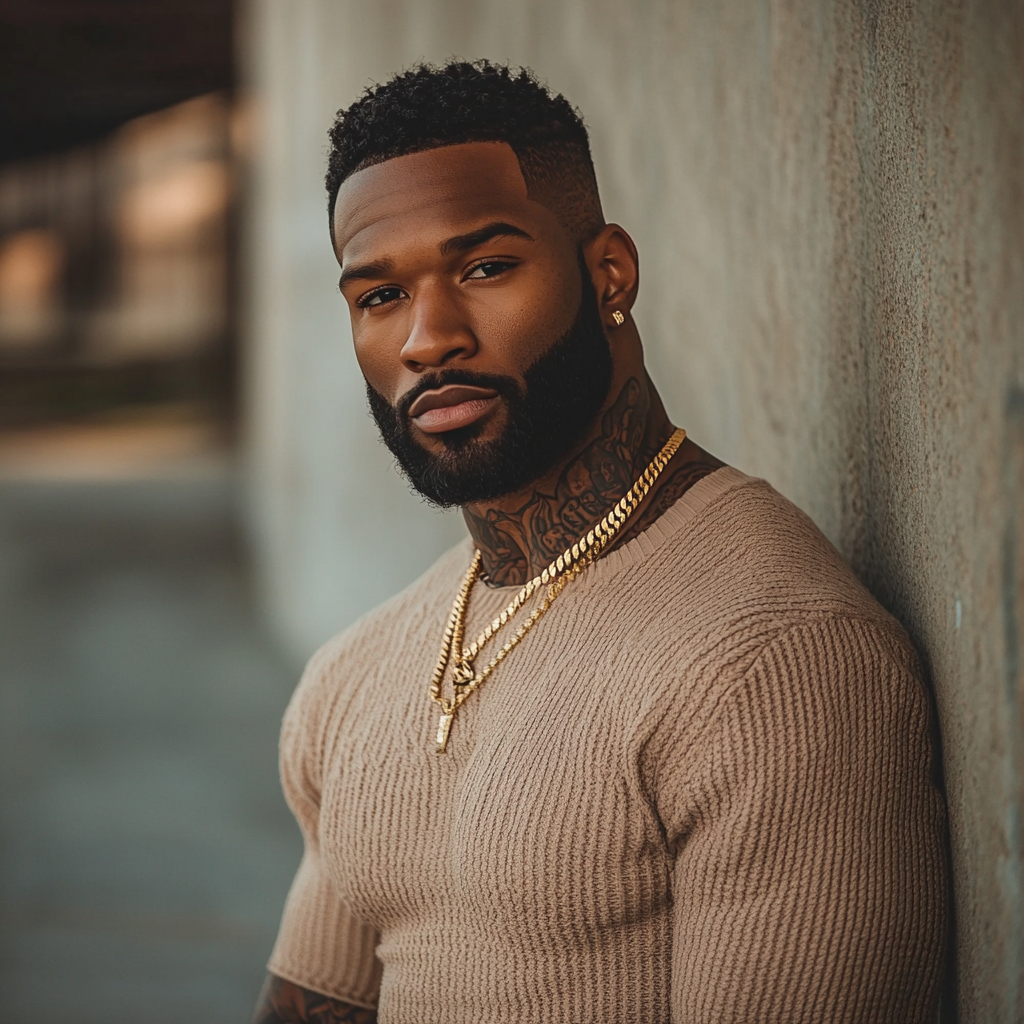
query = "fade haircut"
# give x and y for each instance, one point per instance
(428, 107)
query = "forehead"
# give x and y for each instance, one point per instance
(439, 192)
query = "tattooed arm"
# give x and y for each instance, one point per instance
(282, 1002)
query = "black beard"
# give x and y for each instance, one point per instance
(548, 415)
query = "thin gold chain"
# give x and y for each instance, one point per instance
(565, 568)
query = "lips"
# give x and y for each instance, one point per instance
(451, 407)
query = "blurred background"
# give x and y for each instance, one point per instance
(145, 849)
(828, 201)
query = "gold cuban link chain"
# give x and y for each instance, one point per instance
(565, 568)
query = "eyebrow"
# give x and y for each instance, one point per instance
(470, 240)
(361, 271)
(455, 244)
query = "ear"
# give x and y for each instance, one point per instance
(614, 268)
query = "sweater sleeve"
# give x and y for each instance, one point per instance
(807, 834)
(321, 944)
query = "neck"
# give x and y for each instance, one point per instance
(520, 534)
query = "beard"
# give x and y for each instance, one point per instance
(548, 414)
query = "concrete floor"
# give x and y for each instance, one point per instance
(145, 849)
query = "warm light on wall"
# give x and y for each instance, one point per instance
(174, 178)
(31, 263)
(119, 251)
(175, 204)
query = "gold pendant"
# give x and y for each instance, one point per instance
(463, 673)
(444, 726)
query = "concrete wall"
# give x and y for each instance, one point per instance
(829, 207)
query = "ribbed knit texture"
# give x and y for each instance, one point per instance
(700, 790)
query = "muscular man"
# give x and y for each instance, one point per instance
(642, 748)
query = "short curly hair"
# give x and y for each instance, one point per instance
(429, 106)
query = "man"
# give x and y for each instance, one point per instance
(642, 749)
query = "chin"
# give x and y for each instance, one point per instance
(463, 438)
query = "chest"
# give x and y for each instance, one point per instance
(534, 813)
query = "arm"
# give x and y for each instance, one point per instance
(810, 865)
(321, 945)
(282, 1002)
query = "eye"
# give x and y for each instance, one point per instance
(380, 296)
(490, 268)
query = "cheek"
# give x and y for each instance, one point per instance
(377, 352)
(517, 325)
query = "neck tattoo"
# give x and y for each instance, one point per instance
(516, 544)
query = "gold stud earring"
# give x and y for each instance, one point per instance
(618, 318)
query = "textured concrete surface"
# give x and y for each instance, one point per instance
(829, 207)
(145, 849)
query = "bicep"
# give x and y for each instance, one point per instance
(321, 943)
(283, 1002)
(810, 883)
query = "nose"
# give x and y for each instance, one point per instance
(438, 335)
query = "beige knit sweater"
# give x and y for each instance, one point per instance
(701, 790)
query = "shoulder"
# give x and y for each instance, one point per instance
(333, 676)
(402, 615)
(753, 560)
(758, 534)
(747, 584)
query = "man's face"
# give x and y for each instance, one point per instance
(474, 320)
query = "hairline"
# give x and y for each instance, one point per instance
(533, 187)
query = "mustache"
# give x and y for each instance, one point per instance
(507, 387)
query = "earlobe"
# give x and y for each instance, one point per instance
(612, 259)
